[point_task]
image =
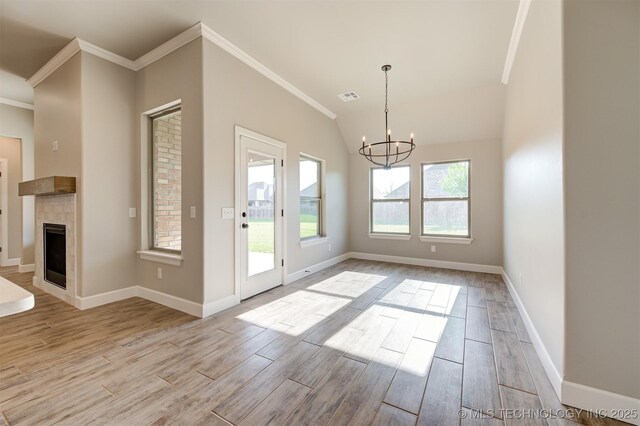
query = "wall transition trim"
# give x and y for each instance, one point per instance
(104, 298)
(12, 262)
(178, 303)
(234, 50)
(29, 267)
(219, 305)
(18, 104)
(198, 30)
(56, 62)
(295, 276)
(600, 401)
(549, 367)
(473, 267)
(518, 27)
(105, 54)
(169, 46)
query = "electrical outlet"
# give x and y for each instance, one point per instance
(54, 146)
(132, 212)
(159, 273)
(193, 212)
(228, 213)
(329, 247)
(433, 249)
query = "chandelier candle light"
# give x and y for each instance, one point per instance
(388, 152)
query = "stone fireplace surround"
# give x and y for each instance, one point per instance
(61, 210)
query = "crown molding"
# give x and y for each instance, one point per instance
(105, 54)
(16, 103)
(54, 63)
(198, 30)
(235, 51)
(518, 26)
(164, 49)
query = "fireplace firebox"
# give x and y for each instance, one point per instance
(55, 254)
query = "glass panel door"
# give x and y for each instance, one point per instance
(261, 213)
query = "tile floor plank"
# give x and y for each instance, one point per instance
(441, 400)
(480, 383)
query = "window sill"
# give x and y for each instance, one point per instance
(313, 241)
(390, 236)
(161, 257)
(446, 240)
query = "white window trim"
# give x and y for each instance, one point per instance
(308, 242)
(161, 257)
(146, 253)
(390, 236)
(446, 240)
(319, 239)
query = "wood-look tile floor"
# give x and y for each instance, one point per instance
(359, 343)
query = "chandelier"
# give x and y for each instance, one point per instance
(388, 152)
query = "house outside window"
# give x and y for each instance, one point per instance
(390, 195)
(311, 198)
(446, 200)
(166, 180)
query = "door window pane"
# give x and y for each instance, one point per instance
(261, 213)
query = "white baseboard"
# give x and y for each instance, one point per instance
(552, 372)
(428, 262)
(219, 305)
(29, 267)
(12, 262)
(178, 303)
(104, 298)
(295, 276)
(600, 401)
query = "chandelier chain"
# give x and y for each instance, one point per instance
(386, 92)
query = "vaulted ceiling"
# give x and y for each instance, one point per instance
(322, 47)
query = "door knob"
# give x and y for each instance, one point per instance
(245, 225)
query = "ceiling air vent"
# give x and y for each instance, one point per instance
(349, 96)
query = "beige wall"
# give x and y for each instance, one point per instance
(533, 194)
(235, 94)
(176, 76)
(486, 206)
(10, 151)
(57, 102)
(108, 176)
(18, 123)
(602, 187)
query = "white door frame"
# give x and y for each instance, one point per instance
(4, 206)
(239, 132)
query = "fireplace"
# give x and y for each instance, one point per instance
(55, 254)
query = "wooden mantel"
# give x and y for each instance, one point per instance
(52, 185)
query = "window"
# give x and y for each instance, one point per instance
(445, 199)
(310, 197)
(390, 200)
(166, 180)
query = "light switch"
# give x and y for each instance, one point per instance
(132, 212)
(193, 212)
(54, 146)
(227, 212)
